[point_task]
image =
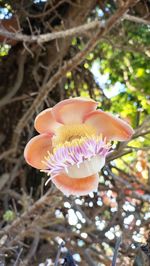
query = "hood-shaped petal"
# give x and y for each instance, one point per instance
(111, 127)
(45, 122)
(87, 167)
(36, 150)
(76, 186)
(73, 110)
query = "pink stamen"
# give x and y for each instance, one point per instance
(67, 156)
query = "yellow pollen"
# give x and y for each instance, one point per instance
(74, 143)
(71, 133)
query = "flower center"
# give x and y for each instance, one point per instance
(78, 152)
(68, 133)
(87, 168)
(78, 158)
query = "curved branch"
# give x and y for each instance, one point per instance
(70, 65)
(42, 38)
(12, 91)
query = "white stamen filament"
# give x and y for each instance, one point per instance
(86, 168)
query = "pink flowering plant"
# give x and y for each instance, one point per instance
(73, 143)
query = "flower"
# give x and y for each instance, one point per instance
(73, 143)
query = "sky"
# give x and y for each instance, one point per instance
(103, 80)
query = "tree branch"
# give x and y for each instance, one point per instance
(118, 243)
(70, 65)
(136, 19)
(42, 38)
(12, 91)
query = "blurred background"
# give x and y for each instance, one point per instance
(106, 56)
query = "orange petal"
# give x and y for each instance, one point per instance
(45, 122)
(73, 110)
(36, 150)
(111, 127)
(76, 186)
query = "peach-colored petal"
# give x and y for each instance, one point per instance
(76, 186)
(45, 122)
(73, 110)
(36, 150)
(111, 127)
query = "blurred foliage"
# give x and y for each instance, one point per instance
(9, 216)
